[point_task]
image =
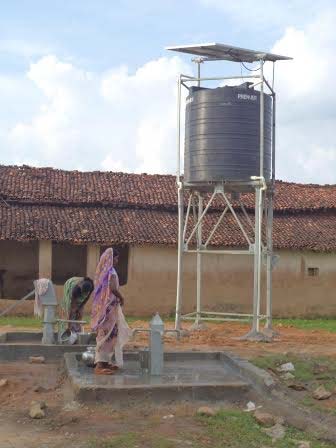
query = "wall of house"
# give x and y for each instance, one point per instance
(227, 280)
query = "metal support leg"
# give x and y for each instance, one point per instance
(257, 261)
(180, 241)
(199, 262)
(255, 334)
(179, 259)
(198, 325)
(268, 330)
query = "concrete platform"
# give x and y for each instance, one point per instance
(19, 345)
(187, 376)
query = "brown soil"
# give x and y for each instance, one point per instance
(74, 428)
(226, 336)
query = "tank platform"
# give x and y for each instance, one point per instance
(187, 376)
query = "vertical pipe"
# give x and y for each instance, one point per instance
(199, 262)
(258, 214)
(178, 155)
(273, 138)
(199, 72)
(48, 325)
(269, 228)
(179, 286)
(256, 278)
(261, 174)
(180, 242)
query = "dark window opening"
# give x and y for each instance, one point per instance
(68, 260)
(122, 268)
(313, 272)
(18, 268)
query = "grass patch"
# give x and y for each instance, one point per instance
(122, 441)
(308, 324)
(306, 368)
(309, 402)
(228, 429)
(21, 321)
(132, 440)
(236, 429)
(303, 324)
(33, 322)
(312, 371)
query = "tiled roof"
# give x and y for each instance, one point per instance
(105, 207)
(51, 186)
(315, 231)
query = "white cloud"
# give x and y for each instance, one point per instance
(62, 115)
(111, 164)
(112, 120)
(306, 144)
(307, 102)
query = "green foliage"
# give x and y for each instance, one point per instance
(21, 321)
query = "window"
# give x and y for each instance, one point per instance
(18, 268)
(68, 260)
(122, 268)
(313, 272)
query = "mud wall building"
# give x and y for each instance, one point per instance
(56, 224)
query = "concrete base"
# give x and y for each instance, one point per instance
(187, 376)
(270, 332)
(255, 336)
(19, 345)
(198, 326)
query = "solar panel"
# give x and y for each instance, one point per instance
(223, 52)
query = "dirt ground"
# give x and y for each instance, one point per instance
(225, 336)
(78, 424)
(68, 423)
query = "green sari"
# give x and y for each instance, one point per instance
(69, 285)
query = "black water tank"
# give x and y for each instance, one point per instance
(222, 134)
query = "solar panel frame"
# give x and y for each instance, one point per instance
(224, 52)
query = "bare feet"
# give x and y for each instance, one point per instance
(113, 367)
(103, 368)
(103, 371)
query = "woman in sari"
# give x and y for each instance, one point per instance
(77, 291)
(107, 316)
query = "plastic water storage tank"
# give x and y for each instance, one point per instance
(222, 134)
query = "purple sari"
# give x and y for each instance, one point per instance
(107, 317)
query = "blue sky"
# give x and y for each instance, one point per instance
(88, 84)
(98, 34)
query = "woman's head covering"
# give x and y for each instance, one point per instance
(101, 293)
